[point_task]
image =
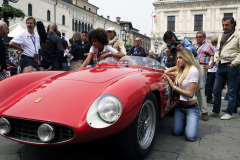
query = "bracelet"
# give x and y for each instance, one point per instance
(175, 88)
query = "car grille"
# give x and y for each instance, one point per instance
(26, 131)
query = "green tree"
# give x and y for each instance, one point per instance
(8, 11)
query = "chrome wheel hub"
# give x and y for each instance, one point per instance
(146, 124)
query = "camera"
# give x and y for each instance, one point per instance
(172, 46)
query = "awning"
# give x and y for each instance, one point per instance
(17, 30)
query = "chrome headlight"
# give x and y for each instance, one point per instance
(105, 111)
(109, 108)
(4, 126)
(45, 132)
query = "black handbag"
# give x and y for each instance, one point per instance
(175, 95)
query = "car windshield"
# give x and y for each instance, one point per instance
(108, 60)
(141, 61)
(135, 60)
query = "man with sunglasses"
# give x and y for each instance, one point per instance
(204, 52)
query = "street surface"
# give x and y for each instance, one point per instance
(217, 140)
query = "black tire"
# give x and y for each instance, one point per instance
(138, 139)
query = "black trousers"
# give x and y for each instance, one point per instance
(209, 85)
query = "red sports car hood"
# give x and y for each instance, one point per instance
(98, 74)
(65, 98)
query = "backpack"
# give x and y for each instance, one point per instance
(49, 50)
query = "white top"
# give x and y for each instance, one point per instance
(192, 76)
(30, 44)
(106, 49)
(215, 68)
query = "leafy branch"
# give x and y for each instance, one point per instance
(11, 12)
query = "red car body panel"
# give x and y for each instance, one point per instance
(67, 96)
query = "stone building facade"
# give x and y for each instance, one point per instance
(134, 33)
(186, 17)
(70, 15)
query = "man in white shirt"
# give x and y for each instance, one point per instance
(114, 41)
(28, 43)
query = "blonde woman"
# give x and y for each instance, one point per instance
(187, 111)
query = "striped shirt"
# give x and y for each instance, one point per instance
(204, 52)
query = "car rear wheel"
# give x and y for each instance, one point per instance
(137, 140)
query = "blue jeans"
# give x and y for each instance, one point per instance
(229, 75)
(186, 120)
(238, 91)
(27, 61)
(64, 66)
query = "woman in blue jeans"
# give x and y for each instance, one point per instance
(187, 111)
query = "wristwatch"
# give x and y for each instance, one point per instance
(110, 53)
(174, 88)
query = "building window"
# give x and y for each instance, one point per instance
(63, 20)
(72, 24)
(63, 35)
(48, 15)
(83, 29)
(228, 15)
(79, 26)
(29, 10)
(198, 23)
(76, 26)
(171, 23)
(84, 7)
(89, 9)
(86, 29)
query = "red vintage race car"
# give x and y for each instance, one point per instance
(126, 99)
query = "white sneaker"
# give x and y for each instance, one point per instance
(213, 114)
(226, 117)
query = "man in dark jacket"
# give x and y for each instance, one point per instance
(137, 50)
(52, 49)
(3, 32)
(86, 46)
(63, 62)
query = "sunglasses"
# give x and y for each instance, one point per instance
(198, 37)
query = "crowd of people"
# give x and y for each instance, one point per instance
(47, 50)
(201, 70)
(203, 65)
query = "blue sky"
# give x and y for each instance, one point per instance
(139, 12)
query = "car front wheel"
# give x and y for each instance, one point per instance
(137, 140)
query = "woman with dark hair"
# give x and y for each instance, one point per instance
(76, 51)
(100, 48)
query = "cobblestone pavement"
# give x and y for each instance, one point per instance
(217, 140)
